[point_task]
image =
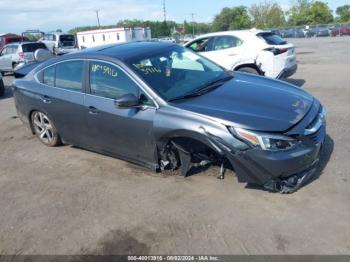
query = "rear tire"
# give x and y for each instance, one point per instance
(2, 88)
(249, 70)
(44, 129)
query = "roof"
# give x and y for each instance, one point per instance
(110, 30)
(126, 51)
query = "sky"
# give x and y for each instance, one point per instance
(20, 15)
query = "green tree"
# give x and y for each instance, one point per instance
(298, 12)
(305, 12)
(267, 15)
(344, 13)
(231, 19)
(320, 13)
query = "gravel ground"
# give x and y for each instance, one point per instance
(70, 201)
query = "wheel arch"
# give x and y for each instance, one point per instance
(250, 65)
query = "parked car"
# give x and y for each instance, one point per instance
(167, 39)
(310, 32)
(341, 30)
(165, 107)
(16, 53)
(253, 51)
(2, 86)
(322, 31)
(59, 43)
(6, 39)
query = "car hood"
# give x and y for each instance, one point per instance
(253, 102)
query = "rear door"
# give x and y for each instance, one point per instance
(124, 132)
(226, 51)
(62, 98)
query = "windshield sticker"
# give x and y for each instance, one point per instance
(147, 69)
(105, 69)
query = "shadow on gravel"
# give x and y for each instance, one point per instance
(297, 82)
(118, 242)
(8, 93)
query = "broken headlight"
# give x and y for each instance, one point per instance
(265, 141)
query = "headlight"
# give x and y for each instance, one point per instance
(265, 141)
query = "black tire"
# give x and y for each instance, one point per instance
(2, 88)
(44, 129)
(249, 70)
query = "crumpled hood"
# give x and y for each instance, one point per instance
(253, 102)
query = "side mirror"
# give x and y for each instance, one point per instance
(127, 101)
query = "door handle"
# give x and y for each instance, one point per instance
(92, 110)
(46, 100)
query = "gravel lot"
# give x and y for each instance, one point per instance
(70, 201)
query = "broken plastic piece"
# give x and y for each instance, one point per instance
(290, 184)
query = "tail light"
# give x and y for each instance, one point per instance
(276, 51)
(20, 54)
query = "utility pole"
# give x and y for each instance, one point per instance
(193, 24)
(164, 10)
(98, 18)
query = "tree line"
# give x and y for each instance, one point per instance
(267, 14)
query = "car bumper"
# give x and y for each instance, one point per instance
(287, 72)
(283, 171)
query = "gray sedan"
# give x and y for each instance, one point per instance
(163, 106)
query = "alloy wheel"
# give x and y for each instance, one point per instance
(44, 129)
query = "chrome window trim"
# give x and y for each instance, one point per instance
(156, 105)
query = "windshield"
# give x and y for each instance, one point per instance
(176, 71)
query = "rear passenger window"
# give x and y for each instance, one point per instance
(49, 76)
(69, 75)
(225, 42)
(109, 81)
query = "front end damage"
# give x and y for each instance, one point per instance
(283, 172)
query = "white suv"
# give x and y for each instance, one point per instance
(252, 51)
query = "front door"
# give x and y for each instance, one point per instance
(124, 132)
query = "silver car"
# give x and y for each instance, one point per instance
(59, 43)
(16, 53)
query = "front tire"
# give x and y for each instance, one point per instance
(44, 129)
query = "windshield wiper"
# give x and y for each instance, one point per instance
(205, 88)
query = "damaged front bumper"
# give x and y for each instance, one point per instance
(280, 171)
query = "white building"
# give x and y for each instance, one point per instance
(99, 37)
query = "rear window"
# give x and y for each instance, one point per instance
(272, 39)
(33, 47)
